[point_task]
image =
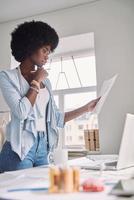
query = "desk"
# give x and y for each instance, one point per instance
(38, 177)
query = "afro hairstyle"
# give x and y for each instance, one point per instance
(30, 36)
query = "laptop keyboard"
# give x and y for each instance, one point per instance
(95, 161)
(108, 158)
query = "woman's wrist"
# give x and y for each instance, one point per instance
(35, 83)
(38, 80)
(34, 89)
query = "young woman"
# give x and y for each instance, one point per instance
(32, 132)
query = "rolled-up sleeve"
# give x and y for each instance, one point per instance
(19, 106)
(59, 117)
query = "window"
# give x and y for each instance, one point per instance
(73, 93)
(81, 137)
(67, 76)
(80, 127)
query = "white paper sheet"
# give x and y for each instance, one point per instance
(105, 89)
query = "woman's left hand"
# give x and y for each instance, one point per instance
(91, 105)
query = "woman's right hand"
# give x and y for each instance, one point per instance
(40, 74)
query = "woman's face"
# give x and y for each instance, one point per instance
(40, 56)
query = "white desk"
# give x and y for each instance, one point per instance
(38, 177)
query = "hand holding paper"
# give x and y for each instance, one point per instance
(92, 104)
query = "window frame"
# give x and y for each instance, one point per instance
(61, 97)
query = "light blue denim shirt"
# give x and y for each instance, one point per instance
(21, 130)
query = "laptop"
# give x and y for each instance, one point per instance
(125, 159)
(124, 188)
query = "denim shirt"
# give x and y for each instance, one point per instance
(21, 130)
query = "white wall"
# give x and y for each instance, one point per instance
(112, 21)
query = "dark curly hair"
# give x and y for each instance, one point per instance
(30, 36)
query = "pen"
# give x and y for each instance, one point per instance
(28, 189)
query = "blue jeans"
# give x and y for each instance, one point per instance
(37, 155)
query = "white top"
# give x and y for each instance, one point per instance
(41, 104)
